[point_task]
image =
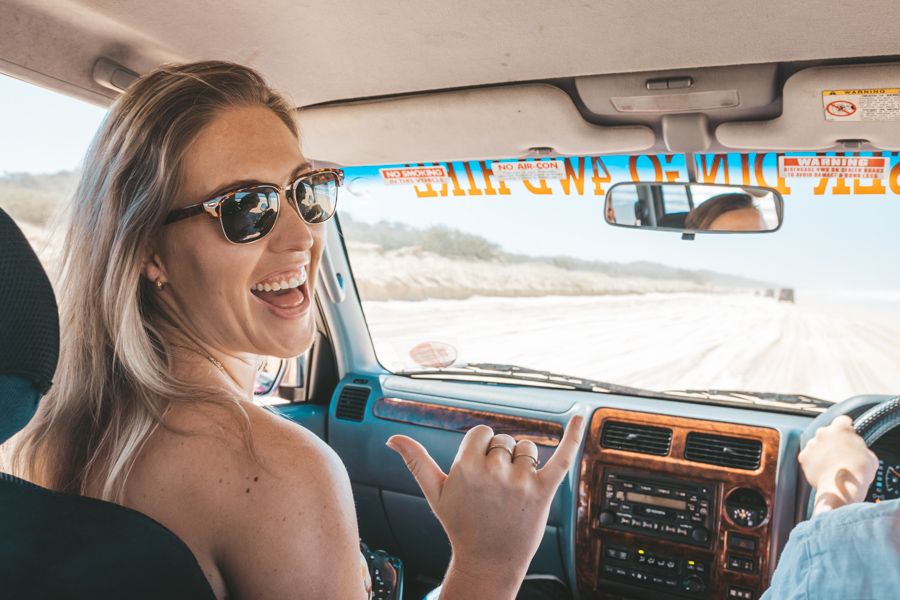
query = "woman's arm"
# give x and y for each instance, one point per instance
(291, 531)
(494, 510)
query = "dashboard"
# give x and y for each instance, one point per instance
(674, 507)
(886, 485)
(668, 500)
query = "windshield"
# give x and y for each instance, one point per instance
(511, 263)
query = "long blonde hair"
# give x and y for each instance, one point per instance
(114, 379)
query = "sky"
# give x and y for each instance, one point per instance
(843, 243)
(42, 131)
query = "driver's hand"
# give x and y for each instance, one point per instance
(838, 464)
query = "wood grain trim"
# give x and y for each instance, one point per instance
(455, 418)
(589, 541)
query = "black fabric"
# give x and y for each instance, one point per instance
(67, 547)
(18, 401)
(59, 546)
(674, 220)
(29, 321)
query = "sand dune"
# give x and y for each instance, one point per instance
(414, 274)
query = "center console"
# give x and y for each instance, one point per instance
(670, 507)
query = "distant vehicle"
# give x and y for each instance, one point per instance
(786, 295)
(770, 293)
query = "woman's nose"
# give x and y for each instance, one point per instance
(291, 231)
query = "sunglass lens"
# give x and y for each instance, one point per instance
(249, 215)
(317, 197)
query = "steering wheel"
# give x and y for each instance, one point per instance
(878, 420)
(873, 416)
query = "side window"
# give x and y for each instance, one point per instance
(43, 137)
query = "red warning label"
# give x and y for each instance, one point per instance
(840, 108)
(828, 167)
(415, 175)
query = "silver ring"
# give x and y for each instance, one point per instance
(528, 456)
(500, 446)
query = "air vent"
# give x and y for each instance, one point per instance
(636, 438)
(351, 405)
(738, 453)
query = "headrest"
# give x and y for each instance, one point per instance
(29, 328)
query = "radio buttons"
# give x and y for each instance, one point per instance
(656, 508)
(740, 563)
(740, 542)
(700, 534)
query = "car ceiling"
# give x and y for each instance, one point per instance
(324, 51)
(327, 52)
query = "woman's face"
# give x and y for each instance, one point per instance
(212, 285)
(741, 219)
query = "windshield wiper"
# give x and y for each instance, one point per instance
(536, 377)
(504, 373)
(794, 401)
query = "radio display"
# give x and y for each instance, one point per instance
(656, 501)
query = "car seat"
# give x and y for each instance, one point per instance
(55, 545)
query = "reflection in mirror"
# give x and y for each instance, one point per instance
(694, 207)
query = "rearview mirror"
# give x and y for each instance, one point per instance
(694, 207)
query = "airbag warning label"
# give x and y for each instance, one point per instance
(875, 104)
(827, 167)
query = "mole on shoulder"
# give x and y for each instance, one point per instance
(256, 479)
(248, 490)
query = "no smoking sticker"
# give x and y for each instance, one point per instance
(840, 108)
(873, 104)
(414, 175)
(833, 167)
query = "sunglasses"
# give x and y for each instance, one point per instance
(249, 214)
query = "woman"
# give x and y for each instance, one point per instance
(194, 241)
(726, 212)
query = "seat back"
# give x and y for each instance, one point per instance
(55, 545)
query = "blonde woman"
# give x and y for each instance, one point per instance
(194, 204)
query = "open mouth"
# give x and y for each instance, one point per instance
(285, 293)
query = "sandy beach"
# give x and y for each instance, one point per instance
(660, 340)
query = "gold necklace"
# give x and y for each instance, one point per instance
(216, 363)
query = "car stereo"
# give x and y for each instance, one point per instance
(670, 509)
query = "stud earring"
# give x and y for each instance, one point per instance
(159, 284)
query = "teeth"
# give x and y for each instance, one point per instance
(283, 284)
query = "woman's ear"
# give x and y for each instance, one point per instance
(154, 270)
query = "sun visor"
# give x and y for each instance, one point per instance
(478, 124)
(825, 107)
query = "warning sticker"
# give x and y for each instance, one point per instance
(828, 167)
(518, 170)
(875, 104)
(415, 175)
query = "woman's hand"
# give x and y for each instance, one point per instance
(838, 465)
(493, 505)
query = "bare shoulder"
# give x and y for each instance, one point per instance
(253, 506)
(230, 452)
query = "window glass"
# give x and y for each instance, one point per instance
(43, 138)
(511, 264)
